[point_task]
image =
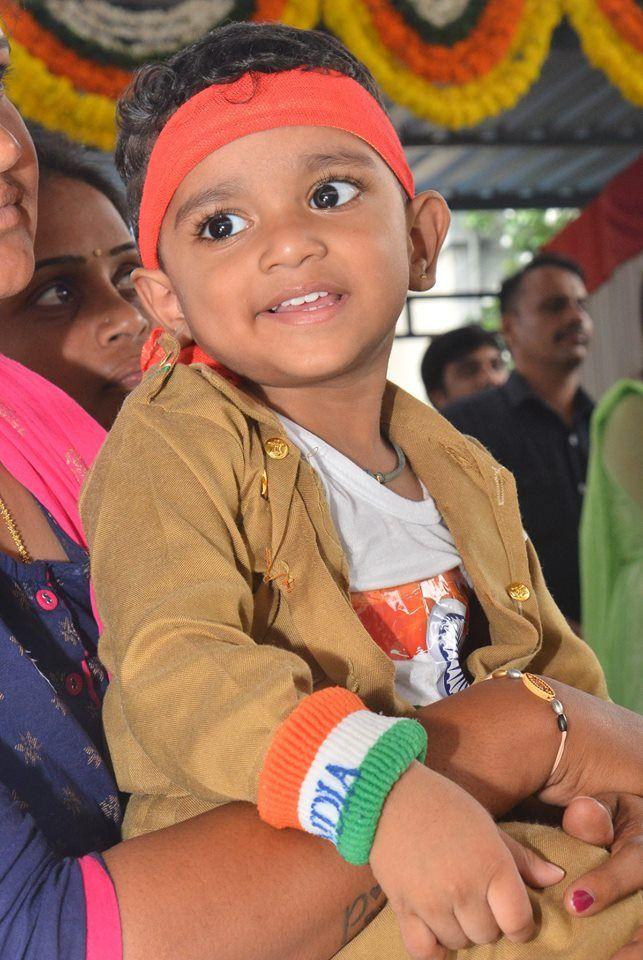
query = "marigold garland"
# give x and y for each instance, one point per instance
(297, 13)
(607, 49)
(87, 114)
(450, 106)
(450, 33)
(53, 102)
(60, 59)
(486, 45)
(626, 16)
(107, 50)
(454, 83)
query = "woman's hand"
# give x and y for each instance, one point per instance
(614, 821)
(603, 753)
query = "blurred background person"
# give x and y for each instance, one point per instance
(78, 322)
(611, 542)
(537, 423)
(461, 362)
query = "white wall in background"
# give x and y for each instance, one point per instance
(616, 308)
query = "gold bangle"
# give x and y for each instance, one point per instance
(541, 689)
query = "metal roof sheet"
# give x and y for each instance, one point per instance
(563, 141)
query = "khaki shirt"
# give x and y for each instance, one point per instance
(223, 588)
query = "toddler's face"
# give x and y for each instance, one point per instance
(286, 255)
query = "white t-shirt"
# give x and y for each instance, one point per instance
(406, 581)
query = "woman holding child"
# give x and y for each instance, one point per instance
(221, 664)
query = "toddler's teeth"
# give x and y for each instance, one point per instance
(299, 301)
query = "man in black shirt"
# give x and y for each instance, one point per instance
(537, 424)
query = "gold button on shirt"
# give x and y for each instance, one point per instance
(519, 592)
(276, 448)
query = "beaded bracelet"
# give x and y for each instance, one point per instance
(541, 689)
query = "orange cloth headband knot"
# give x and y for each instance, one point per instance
(226, 112)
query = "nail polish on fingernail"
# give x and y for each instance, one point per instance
(582, 900)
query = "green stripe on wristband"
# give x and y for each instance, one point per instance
(380, 770)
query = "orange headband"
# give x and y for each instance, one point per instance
(226, 112)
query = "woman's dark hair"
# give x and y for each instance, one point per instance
(62, 157)
(221, 56)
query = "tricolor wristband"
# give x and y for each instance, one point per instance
(331, 766)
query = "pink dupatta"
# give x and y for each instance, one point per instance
(47, 442)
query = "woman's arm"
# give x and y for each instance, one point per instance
(499, 742)
(226, 885)
(223, 886)
(42, 902)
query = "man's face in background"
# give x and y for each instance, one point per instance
(475, 371)
(549, 323)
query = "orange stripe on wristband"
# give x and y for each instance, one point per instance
(293, 749)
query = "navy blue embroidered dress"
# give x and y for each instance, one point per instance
(58, 798)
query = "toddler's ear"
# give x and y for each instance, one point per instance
(428, 220)
(160, 302)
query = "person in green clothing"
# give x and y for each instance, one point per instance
(611, 542)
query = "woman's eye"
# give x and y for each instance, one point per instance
(222, 226)
(55, 296)
(333, 194)
(125, 285)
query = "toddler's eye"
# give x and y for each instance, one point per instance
(54, 296)
(221, 226)
(333, 194)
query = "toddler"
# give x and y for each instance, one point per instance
(291, 557)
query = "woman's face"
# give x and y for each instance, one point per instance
(18, 189)
(78, 322)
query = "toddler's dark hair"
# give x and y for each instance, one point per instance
(221, 56)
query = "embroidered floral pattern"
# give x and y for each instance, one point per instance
(71, 800)
(20, 803)
(23, 596)
(111, 808)
(69, 632)
(59, 706)
(58, 770)
(94, 758)
(75, 463)
(30, 747)
(8, 414)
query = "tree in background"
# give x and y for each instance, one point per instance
(521, 233)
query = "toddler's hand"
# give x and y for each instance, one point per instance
(447, 871)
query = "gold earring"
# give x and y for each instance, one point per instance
(424, 275)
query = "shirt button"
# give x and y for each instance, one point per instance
(276, 448)
(46, 599)
(573, 439)
(519, 592)
(73, 684)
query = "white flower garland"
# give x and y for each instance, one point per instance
(122, 30)
(440, 13)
